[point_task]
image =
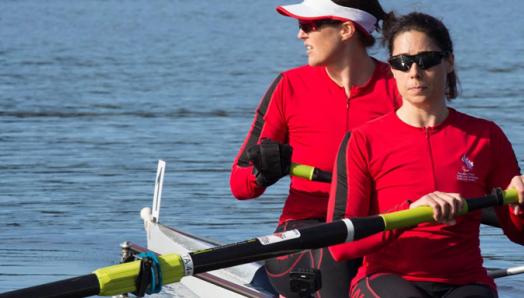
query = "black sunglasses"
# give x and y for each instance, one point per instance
(309, 26)
(424, 60)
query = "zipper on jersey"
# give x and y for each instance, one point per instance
(347, 112)
(431, 160)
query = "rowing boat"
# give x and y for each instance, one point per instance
(247, 280)
(203, 273)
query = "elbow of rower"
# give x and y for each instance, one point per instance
(242, 183)
(241, 195)
(512, 225)
(517, 237)
(244, 191)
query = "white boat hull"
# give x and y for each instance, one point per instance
(246, 280)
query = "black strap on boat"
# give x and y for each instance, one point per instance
(149, 279)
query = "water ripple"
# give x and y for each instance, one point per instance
(179, 113)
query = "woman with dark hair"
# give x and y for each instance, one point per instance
(307, 110)
(424, 154)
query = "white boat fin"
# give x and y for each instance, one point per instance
(157, 197)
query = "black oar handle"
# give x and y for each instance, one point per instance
(321, 176)
(81, 286)
(261, 248)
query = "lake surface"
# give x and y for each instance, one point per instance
(93, 93)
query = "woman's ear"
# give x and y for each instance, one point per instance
(450, 62)
(348, 29)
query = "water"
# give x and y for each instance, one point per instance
(93, 92)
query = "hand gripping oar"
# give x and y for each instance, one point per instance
(121, 278)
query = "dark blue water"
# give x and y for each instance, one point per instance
(93, 92)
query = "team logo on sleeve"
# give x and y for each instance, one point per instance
(466, 170)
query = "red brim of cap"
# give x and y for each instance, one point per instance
(301, 12)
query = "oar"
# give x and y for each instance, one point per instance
(309, 173)
(121, 278)
(314, 174)
(496, 273)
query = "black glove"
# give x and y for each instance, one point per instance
(271, 160)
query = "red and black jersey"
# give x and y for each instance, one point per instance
(388, 163)
(305, 108)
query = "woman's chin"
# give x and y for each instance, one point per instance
(313, 61)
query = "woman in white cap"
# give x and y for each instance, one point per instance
(307, 111)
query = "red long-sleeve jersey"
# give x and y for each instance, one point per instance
(307, 109)
(389, 163)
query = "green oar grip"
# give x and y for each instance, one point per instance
(407, 218)
(118, 279)
(302, 171)
(511, 196)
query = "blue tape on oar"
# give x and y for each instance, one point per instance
(155, 272)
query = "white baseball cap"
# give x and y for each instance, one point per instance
(311, 10)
